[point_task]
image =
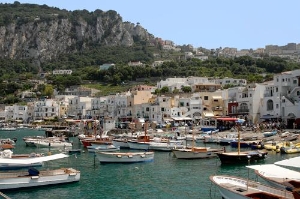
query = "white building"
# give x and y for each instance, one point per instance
(284, 98)
(78, 107)
(62, 72)
(47, 108)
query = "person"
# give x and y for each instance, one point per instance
(294, 125)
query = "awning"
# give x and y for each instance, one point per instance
(208, 114)
(217, 97)
(271, 170)
(292, 162)
(227, 119)
(181, 118)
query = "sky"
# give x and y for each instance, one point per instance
(241, 24)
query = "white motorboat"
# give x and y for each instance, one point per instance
(34, 178)
(231, 187)
(121, 142)
(278, 176)
(52, 143)
(102, 148)
(196, 153)
(166, 146)
(8, 129)
(127, 157)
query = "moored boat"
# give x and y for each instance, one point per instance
(35, 178)
(241, 156)
(231, 187)
(270, 133)
(126, 157)
(166, 146)
(196, 153)
(102, 148)
(290, 148)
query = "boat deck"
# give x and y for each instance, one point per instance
(253, 191)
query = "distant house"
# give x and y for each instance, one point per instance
(62, 72)
(106, 66)
(135, 63)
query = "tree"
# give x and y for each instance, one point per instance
(48, 90)
(164, 89)
(186, 89)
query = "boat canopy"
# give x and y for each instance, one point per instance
(271, 170)
(32, 160)
(291, 162)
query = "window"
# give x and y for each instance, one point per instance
(162, 109)
(147, 109)
(205, 97)
(294, 81)
(277, 105)
(276, 89)
(270, 105)
(298, 93)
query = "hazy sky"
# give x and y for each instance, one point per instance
(209, 24)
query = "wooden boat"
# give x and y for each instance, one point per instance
(127, 157)
(231, 187)
(34, 178)
(142, 142)
(241, 157)
(196, 153)
(277, 176)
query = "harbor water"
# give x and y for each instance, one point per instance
(165, 177)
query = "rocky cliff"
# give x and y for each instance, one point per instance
(44, 39)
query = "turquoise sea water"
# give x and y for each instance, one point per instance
(165, 177)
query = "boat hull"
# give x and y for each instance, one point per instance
(242, 157)
(53, 144)
(104, 157)
(121, 143)
(189, 154)
(17, 181)
(139, 145)
(165, 146)
(103, 148)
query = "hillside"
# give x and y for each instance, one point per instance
(40, 34)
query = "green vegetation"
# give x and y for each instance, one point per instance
(85, 61)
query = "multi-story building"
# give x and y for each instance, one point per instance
(46, 109)
(78, 107)
(244, 102)
(282, 98)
